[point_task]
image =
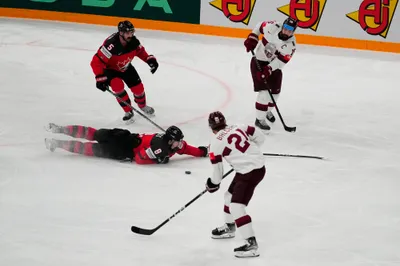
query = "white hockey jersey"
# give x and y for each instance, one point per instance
(272, 49)
(240, 147)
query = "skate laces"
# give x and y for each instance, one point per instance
(223, 228)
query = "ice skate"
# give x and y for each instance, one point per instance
(148, 110)
(51, 144)
(262, 124)
(53, 128)
(225, 231)
(128, 116)
(250, 249)
(270, 117)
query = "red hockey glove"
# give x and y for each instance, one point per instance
(265, 73)
(152, 62)
(251, 42)
(102, 82)
(211, 187)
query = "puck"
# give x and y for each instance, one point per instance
(188, 172)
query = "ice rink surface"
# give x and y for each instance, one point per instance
(65, 209)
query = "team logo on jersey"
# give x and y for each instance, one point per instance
(235, 10)
(307, 12)
(375, 16)
(123, 65)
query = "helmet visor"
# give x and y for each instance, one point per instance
(288, 27)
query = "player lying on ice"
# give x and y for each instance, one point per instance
(121, 144)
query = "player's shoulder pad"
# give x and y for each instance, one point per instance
(109, 45)
(134, 43)
(158, 146)
(112, 39)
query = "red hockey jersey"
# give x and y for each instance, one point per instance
(113, 55)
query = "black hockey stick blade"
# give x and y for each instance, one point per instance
(289, 129)
(142, 231)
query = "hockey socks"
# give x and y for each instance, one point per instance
(80, 132)
(139, 94)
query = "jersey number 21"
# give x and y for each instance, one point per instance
(241, 144)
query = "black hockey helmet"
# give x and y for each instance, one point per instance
(289, 24)
(173, 133)
(125, 26)
(216, 121)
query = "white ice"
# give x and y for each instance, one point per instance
(65, 209)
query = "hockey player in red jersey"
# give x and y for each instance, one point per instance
(239, 145)
(121, 144)
(273, 52)
(112, 66)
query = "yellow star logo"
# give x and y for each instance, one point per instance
(375, 16)
(235, 10)
(307, 12)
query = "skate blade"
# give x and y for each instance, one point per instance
(130, 121)
(149, 115)
(247, 254)
(48, 128)
(224, 236)
(49, 146)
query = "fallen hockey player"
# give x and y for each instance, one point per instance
(121, 144)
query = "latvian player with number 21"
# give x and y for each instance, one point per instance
(240, 147)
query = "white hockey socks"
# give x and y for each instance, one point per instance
(271, 104)
(227, 214)
(242, 220)
(264, 104)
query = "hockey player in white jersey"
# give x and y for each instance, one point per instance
(240, 147)
(273, 52)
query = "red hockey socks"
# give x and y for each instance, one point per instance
(117, 85)
(139, 94)
(76, 147)
(80, 132)
(124, 96)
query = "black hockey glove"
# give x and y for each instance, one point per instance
(204, 150)
(102, 82)
(153, 64)
(162, 160)
(210, 186)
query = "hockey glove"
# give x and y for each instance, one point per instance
(204, 150)
(162, 160)
(153, 64)
(210, 186)
(265, 73)
(251, 42)
(102, 82)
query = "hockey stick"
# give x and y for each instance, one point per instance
(137, 111)
(289, 129)
(294, 155)
(148, 232)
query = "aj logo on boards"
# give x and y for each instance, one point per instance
(307, 12)
(375, 16)
(235, 10)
